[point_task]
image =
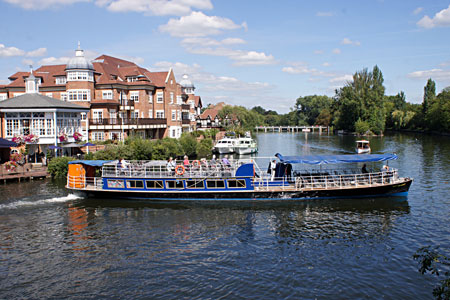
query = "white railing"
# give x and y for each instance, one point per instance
(327, 181)
(160, 169)
(84, 183)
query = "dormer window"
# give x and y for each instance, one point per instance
(61, 80)
(132, 78)
(80, 76)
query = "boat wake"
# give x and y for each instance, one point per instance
(24, 203)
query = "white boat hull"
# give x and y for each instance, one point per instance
(360, 151)
(245, 150)
(224, 150)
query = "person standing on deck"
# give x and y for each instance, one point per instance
(273, 166)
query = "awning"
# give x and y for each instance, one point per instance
(71, 145)
(6, 144)
(94, 163)
(335, 159)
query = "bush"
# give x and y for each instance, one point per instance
(204, 148)
(361, 127)
(59, 166)
(189, 144)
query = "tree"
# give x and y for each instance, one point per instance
(309, 108)
(429, 93)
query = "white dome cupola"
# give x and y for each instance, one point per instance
(79, 68)
(187, 86)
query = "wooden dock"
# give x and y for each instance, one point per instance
(318, 129)
(25, 172)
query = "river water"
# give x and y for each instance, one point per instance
(54, 245)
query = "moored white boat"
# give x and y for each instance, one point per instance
(362, 146)
(245, 145)
(225, 145)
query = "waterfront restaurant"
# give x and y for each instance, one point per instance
(41, 121)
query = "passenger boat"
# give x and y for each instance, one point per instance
(362, 146)
(225, 145)
(245, 145)
(237, 180)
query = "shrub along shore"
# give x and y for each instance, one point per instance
(194, 145)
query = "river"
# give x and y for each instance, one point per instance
(54, 245)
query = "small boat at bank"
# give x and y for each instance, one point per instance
(237, 179)
(362, 146)
(225, 145)
(245, 145)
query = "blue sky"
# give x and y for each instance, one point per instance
(247, 53)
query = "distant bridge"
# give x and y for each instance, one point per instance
(319, 129)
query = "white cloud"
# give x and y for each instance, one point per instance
(208, 42)
(326, 64)
(440, 19)
(42, 4)
(341, 79)
(347, 41)
(156, 7)
(243, 58)
(10, 51)
(197, 24)
(302, 68)
(437, 74)
(54, 60)
(336, 51)
(417, 10)
(37, 52)
(325, 14)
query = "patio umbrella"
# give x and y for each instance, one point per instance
(53, 147)
(87, 146)
(6, 144)
(71, 145)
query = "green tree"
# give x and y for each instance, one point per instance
(189, 144)
(59, 166)
(429, 93)
(204, 148)
(309, 108)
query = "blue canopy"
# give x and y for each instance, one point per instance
(88, 144)
(54, 147)
(334, 159)
(6, 144)
(94, 163)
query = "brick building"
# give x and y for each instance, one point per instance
(123, 98)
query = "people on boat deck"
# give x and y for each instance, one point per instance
(122, 164)
(273, 166)
(212, 162)
(225, 161)
(171, 165)
(364, 169)
(385, 168)
(186, 162)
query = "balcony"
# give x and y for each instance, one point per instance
(185, 107)
(126, 104)
(185, 121)
(140, 123)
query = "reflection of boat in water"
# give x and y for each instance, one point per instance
(362, 146)
(235, 180)
(225, 145)
(245, 145)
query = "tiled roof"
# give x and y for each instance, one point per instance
(158, 78)
(38, 101)
(198, 101)
(212, 111)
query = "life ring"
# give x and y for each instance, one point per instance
(196, 163)
(179, 170)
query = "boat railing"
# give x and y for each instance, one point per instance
(84, 183)
(160, 169)
(327, 181)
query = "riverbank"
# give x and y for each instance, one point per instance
(27, 171)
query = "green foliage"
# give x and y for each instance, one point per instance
(113, 152)
(189, 144)
(204, 148)
(429, 93)
(430, 260)
(310, 107)
(438, 114)
(58, 166)
(247, 119)
(361, 127)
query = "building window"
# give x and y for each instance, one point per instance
(179, 99)
(98, 136)
(64, 96)
(79, 95)
(49, 95)
(80, 76)
(160, 114)
(171, 98)
(107, 95)
(61, 80)
(134, 95)
(97, 115)
(159, 97)
(150, 98)
(3, 97)
(132, 79)
(150, 113)
(174, 115)
(135, 114)
(83, 116)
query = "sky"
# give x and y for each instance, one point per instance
(249, 53)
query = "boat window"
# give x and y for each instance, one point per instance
(174, 184)
(154, 184)
(116, 184)
(235, 184)
(215, 184)
(195, 184)
(135, 184)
